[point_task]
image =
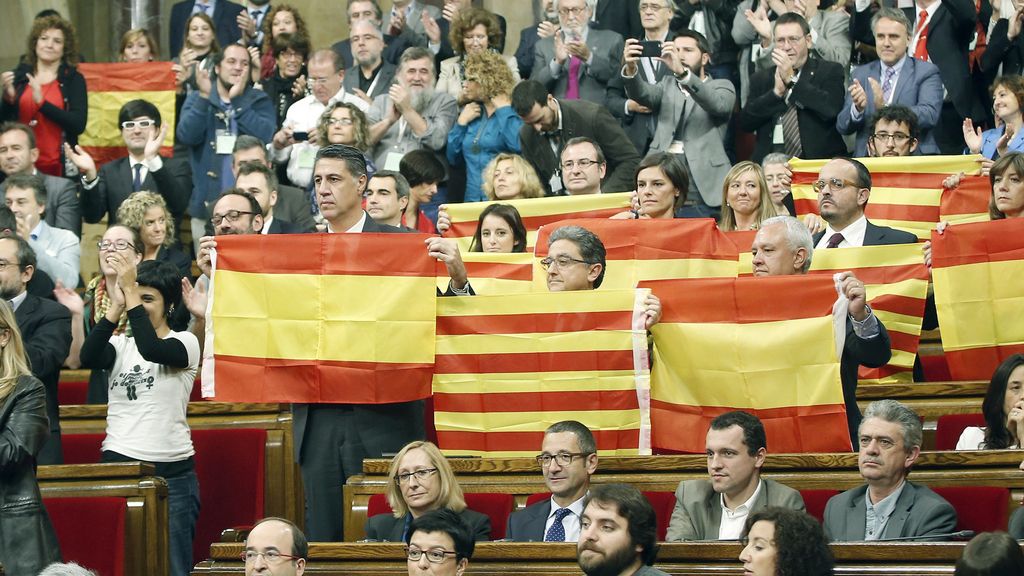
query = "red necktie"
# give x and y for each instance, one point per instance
(921, 50)
(834, 240)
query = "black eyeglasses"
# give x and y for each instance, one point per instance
(898, 138)
(562, 261)
(4, 264)
(583, 163)
(420, 475)
(106, 245)
(563, 458)
(270, 556)
(434, 555)
(231, 216)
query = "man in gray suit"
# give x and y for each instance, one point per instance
(619, 533)
(410, 15)
(693, 111)
(18, 154)
(578, 61)
(888, 506)
(716, 509)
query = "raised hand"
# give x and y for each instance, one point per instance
(82, 160)
(972, 136)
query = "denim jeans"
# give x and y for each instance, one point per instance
(182, 511)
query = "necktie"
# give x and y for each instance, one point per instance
(573, 91)
(791, 132)
(204, 7)
(557, 532)
(137, 180)
(887, 84)
(921, 49)
(834, 240)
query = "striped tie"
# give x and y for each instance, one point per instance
(791, 132)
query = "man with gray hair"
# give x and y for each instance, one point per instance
(69, 569)
(387, 195)
(783, 246)
(370, 75)
(888, 506)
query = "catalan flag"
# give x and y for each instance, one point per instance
(764, 345)
(494, 273)
(978, 272)
(342, 318)
(110, 86)
(509, 366)
(896, 281)
(968, 202)
(536, 212)
(640, 250)
(906, 192)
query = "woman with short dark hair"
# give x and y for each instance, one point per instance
(783, 542)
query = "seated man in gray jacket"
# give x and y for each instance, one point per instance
(888, 505)
(716, 509)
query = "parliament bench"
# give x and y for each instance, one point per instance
(514, 558)
(145, 508)
(930, 400)
(522, 477)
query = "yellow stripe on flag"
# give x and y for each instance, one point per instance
(526, 422)
(525, 342)
(989, 295)
(545, 303)
(102, 128)
(534, 381)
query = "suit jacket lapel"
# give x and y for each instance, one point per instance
(714, 509)
(900, 514)
(905, 83)
(857, 518)
(535, 525)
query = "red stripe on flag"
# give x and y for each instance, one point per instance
(979, 243)
(979, 363)
(531, 323)
(592, 360)
(713, 299)
(743, 239)
(532, 223)
(125, 77)
(567, 401)
(885, 179)
(821, 428)
(971, 197)
(865, 373)
(884, 274)
(903, 341)
(914, 213)
(331, 254)
(296, 381)
(519, 441)
(652, 239)
(496, 270)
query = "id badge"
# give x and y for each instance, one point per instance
(778, 138)
(307, 157)
(392, 160)
(225, 142)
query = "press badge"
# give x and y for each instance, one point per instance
(778, 138)
(225, 142)
(307, 157)
(392, 161)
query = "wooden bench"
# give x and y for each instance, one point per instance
(522, 477)
(506, 559)
(146, 518)
(283, 489)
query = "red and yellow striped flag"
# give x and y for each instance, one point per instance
(342, 318)
(978, 271)
(896, 281)
(536, 212)
(493, 273)
(640, 250)
(509, 366)
(906, 192)
(764, 345)
(110, 86)
(968, 202)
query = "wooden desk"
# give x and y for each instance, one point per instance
(506, 558)
(522, 477)
(146, 549)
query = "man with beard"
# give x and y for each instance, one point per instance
(693, 109)
(894, 131)
(619, 532)
(211, 120)
(325, 76)
(370, 76)
(18, 155)
(577, 62)
(411, 116)
(261, 182)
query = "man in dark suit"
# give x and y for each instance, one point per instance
(45, 330)
(547, 25)
(793, 105)
(568, 458)
(223, 13)
(260, 181)
(371, 76)
(393, 45)
(549, 123)
(943, 35)
(620, 16)
(18, 155)
(895, 78)
(144, 168)
(890, 443)
(293, 205)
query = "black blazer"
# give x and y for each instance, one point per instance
(446, 51)
(622, 16)
(527, 525)
(46, 331)
(385, 77)
(393, 47)
(524, 53)
(224, 18)
(173, 182)
(818, 95)
(278, 226)
(879, 236)
(581, 118)
(387, 528)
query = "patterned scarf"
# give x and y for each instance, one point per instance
(97, 302)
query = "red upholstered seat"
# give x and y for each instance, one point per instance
(534, 498)
(69, 393)
(230, 464)
(950, 426)
(91, 531)
(935, 368)
(815, 501)
(81, 448)
(978, 508)
(663, 504)
(378, 504)
(497, 506)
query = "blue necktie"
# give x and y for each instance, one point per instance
(137, 181)
(557, 532)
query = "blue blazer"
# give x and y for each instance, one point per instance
(224, 18)
(919, 87)
(990, 137)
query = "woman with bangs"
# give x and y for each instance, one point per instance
(146, 213)
(471, 32)
(280, 19)
(138, 45)
(745, 199)
(344, 123)
(661, 187)
(199, 45)
(499, 230)
(1007, 136)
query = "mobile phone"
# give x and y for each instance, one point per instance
(651, 49)
(300, 136)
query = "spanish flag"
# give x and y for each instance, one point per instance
(906, 192)
(896, 281)
(342, 318)
(640, 250)
(978, 272)
(493, 273)
(968, 202)
(763, 345)
(110, 86)
(536, 212)
(507, 367)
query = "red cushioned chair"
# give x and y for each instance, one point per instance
(978, 508)
(935, 368)
(91, 531)
(69, 393)
(534, 498)
(663, 504)
(815, 501)
(950, 426)
(81, 448)
(231, 469)
(378, 504)
(497, 506)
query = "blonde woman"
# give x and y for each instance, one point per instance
(138, 45)
(421, 481)
(146, 213)
(745, 199)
